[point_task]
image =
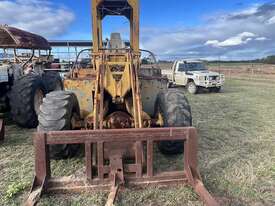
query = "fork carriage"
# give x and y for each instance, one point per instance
(103, 175)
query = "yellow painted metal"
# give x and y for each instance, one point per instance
(83, 89)
(116, 83)
(92, 85)
(84, 74)
(97, 25)
(114, 87)
(133, 17)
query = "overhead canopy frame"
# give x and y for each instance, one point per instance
(11, 37)
(127, 8)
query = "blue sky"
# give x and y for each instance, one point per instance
(156, 13)
(227, 29)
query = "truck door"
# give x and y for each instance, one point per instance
(180, 74)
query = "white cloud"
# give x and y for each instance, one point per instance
(212, 42)
(239, 39)
(38, 16)
(243, 34)
(261, 39)
(271, 20)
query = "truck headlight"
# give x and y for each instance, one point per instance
(201, 78)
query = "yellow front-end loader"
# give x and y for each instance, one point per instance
(119, 111)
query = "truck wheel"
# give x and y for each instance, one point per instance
(192, 88)
(26, 97)
(58, 111)
(175, 111)
(52, 81)
(170, 85)
(217, 89)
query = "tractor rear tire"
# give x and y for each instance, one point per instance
(52, 81)
(56, 114)
(176, 112)
(25, 99)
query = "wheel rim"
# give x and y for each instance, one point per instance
(192, 88)
(38, 99)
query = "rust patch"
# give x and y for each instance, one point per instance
(11, 37)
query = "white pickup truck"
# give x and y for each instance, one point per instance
(194, 75)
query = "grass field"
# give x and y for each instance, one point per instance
(236, 154)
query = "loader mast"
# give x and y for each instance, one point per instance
(116, 66)
(127, 8)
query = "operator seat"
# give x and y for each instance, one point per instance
(116, 41)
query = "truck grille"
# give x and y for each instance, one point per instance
(213, 78)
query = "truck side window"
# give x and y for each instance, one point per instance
(181, 67)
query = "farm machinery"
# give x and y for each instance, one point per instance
(122, 114)
(25, 74)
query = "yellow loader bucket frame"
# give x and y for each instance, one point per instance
(106, 150)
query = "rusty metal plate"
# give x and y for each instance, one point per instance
(11, 37)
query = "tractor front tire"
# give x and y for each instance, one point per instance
(175, 111)
(25, 99)
(57, 112)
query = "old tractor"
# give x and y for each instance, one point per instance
(119, 112)
(25, 74)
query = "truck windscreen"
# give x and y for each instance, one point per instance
(192, 67)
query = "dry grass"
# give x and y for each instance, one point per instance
(236, 154)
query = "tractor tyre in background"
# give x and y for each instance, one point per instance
(25, 97)
(175, 111)
(52, 81)
(57, 113)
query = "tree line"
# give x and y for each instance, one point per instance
(266, 60)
